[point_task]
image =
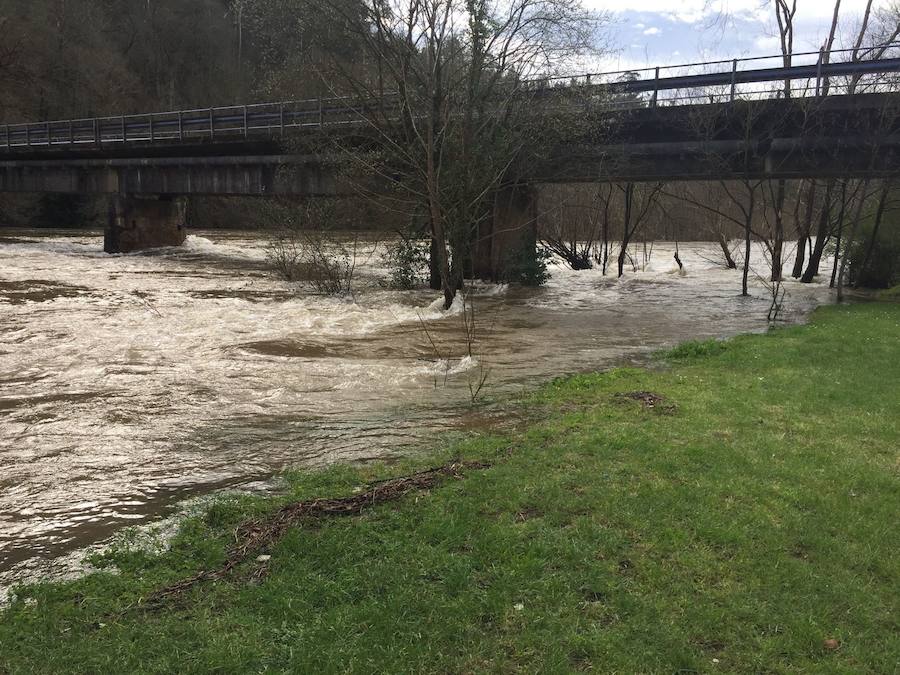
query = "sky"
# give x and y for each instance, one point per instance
(664, 32)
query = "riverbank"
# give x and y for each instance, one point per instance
(733, 510)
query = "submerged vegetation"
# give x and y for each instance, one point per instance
(731, 512)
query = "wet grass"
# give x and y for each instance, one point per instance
(735, 512)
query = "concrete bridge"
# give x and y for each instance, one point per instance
(694, 122)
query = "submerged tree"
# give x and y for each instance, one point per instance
(638, 200)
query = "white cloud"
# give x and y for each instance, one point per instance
(767, 43)
(705, 30)
(693, 11)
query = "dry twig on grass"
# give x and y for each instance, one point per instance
(256, 535)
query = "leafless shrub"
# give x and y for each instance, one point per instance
(477, 379)
(304, 248)
(776, 290)
(471, 331)
(330, 264)
(285, 256)
(578, 233)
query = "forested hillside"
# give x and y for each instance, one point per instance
(64, 58)
(77, 58)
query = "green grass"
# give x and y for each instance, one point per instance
(890, 294)
(734, 532)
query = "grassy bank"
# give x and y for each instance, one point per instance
(741, 519)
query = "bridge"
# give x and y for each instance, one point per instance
(696, 121)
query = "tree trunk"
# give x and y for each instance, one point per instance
(748, 224)
(439, 237)
(853, 230)
(840, 233)
(729, 261)
(879, 214)
(621, 259)
(837, 256)
(803, 231)
(605, 254)
(434, 272)
(822, 234)
(778, 244)
(626, 226)
(746, 273)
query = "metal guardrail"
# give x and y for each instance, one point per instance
(669, 85)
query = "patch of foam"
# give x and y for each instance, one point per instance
(448, 367)
(436, 310)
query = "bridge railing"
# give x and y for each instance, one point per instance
(733, 79)
(810, 74)
(204, 124)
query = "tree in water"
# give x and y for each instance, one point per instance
(637, 203)
(450, 107)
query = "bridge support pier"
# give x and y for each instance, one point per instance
(509, 238)
(136, 223)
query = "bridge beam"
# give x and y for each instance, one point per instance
(136, 223)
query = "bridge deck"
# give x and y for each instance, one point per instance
(681, 125)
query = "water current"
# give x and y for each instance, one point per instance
(130, 382)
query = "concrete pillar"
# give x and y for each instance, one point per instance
(512, 231)
(136, 223)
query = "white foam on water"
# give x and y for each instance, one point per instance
(128, 381)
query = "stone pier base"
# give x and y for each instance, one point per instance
(500, 244)
(138, 223)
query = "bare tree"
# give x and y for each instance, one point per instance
(825, 52)
(578, 233)
(637, 202)
(823, 233)
(447, 106)
(784, 13)
(803, 227)
(854, 228)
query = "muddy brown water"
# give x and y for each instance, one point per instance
(130, 382)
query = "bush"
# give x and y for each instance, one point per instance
(330, 265)
(305, 250)
(407, 259)
(285, 255)
(527, 266)
(875, 264)
(890, 294)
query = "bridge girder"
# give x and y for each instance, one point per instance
(839, 136)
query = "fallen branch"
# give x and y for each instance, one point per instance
(256, 535)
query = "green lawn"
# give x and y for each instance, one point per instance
(735, 526)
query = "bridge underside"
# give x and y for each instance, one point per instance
(296, 175)
(235, 175)
(722, 160)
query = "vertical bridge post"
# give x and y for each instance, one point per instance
(733, 79)
(819, 71)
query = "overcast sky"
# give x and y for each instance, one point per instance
(659, 32)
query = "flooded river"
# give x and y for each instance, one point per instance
(130, 382)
